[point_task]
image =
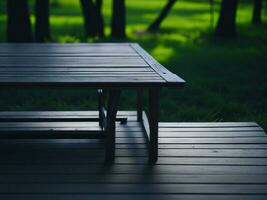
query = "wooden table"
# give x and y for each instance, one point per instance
(111, 67)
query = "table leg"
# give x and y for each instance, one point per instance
(113, 101)
(139, 105)
(153, 115)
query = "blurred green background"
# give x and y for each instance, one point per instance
(226, 78)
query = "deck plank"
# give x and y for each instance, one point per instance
(133, 197)
(224, 160)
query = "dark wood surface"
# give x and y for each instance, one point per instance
(197, 161)
(95, 65)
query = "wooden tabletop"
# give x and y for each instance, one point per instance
(92, 65)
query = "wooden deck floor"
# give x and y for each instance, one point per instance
(196, 161)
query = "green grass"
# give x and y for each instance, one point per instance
(226, 79)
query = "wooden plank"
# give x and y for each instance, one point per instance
(133, 196)
(204, 146)
(129, 144)
(134, 189)
(64, 45)
(75, 69)
(131, 169)
(13, 125)
(45, 118)
(90, 75)
(194, 141)
(56, 116)
(133, 179)
(197, 134)
(52, 134)
(206, 124)
(211, 129)
(93, 156)
(103, 73)
(57, 156)
(61, 113)
(63, 48)
(213, 153)
(87, 114)
(72, 54)
(213, 161)
(73, 79)
(71, 61)
(126, 143)
(73, 82)
(51, 128)
(97, 44)
(169, 153)
(60, 124)
(127, 128)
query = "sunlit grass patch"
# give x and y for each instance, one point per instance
(162, 52)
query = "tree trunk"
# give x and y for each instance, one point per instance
(99, 18)
(89, 14)
(18, 25)
(256, 19)
(226, 26)
(155, 26)
(42, 28)
(118, 24)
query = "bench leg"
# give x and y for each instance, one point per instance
(101, 110)
(113, 101)
(139, 105)
(153, 117)
(101, 107)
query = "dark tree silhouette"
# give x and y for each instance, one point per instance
(42, 27)
(118, 23)
(155, 26)
(88, 9)
(226, 26)
(257, 9)
(99, 18)
(18, 25)
(93, 18)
